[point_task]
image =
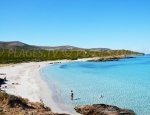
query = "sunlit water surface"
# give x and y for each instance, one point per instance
(124, 83)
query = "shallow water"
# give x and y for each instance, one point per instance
(124, 83)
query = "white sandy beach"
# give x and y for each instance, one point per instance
(25, 80)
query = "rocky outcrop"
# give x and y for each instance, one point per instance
(13, 105)
(102, 109)
(110, 58)
(2, 81)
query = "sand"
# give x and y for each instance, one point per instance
(25, 80)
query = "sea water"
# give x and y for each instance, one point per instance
(124, 83)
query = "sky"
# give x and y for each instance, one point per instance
(115, 24)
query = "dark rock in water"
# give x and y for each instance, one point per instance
(102, 109)
(106, 59)
(111, 58)
(103, 60)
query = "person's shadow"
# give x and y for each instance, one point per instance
(77, 99)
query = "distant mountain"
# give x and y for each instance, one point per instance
(18, 44)
(67, 47)
(14, 44)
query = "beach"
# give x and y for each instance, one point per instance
(25, 80)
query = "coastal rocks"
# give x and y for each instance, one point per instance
(104, 60)
(102, 109)
(110, 58)
(13, 105)
(2, 82)
(54, 62)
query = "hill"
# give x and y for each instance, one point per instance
(16, 52)
(18, 44)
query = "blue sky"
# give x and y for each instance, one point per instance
(116, 24)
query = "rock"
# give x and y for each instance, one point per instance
(2, 81)
(13, 105)
(110, 58)
(102, 109)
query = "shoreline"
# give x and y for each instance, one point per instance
(25, 80)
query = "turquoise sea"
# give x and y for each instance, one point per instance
(124, 83)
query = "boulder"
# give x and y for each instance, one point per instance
(102, 109)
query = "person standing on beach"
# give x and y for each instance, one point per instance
(72, 94)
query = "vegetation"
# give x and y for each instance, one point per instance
(18, 55)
